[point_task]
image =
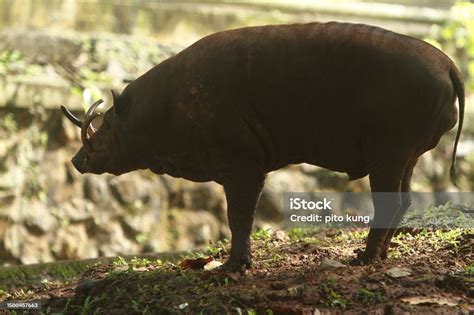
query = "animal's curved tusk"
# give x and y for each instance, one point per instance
(71, 116)
(90, 116)
(85, 129)
(93, 107)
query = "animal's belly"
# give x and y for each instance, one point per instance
(336, 154)
(183, 165)
(346, 160)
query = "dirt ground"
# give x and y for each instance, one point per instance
(295, 272)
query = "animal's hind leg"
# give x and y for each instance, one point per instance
(406, 202)
(385, 183)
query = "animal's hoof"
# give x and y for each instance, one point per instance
(358, 261)
(362, 258)
(233, 265)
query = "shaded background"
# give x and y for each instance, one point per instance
(72, 52)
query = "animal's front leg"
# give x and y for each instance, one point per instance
(242, 193)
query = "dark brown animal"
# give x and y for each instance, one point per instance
(238, 104)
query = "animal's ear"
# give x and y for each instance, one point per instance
(115, 96)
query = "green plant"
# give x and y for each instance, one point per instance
(8, 123)
(8, 60)
(262, 235)
(351, 236)
(89, 302)
(444, 217)
(456, 37)
(369, 297)
(139, 262)
(66, 306)
(332, 298)
(217, 247)
(425, 240)
(120, 261)
(305, 235)
(296, 234)
(469, 270)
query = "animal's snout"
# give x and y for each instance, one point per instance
(79, 161)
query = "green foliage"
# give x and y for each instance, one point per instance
(8, 123)
(297, 233)
(251, 311)
(305, 235)
(332, 298)
(425, 240)
(142, 238)
(369, 297)
(120, 261)
(66, 307)
(139, 262)
(217, 247)
(457, 37)
(45, 274)
(469, 270)
(68, 271)
(8, 60)
(89, 302)
(351, 236)
(444, 216)
(262, 235)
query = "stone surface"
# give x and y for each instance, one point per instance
(14, 239)
(130, 190)
(270, 207)
(327, 263)
(36, 249)
(111, 240)
(193, 228)
(398, 272)
(73, 242)
(75, 210)
(39, 219)
(96, 189)
(203, 196)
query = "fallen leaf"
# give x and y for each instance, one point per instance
(212, 265)
(195, 264)
(183, 306)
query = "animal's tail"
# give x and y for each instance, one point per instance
(459, 89)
